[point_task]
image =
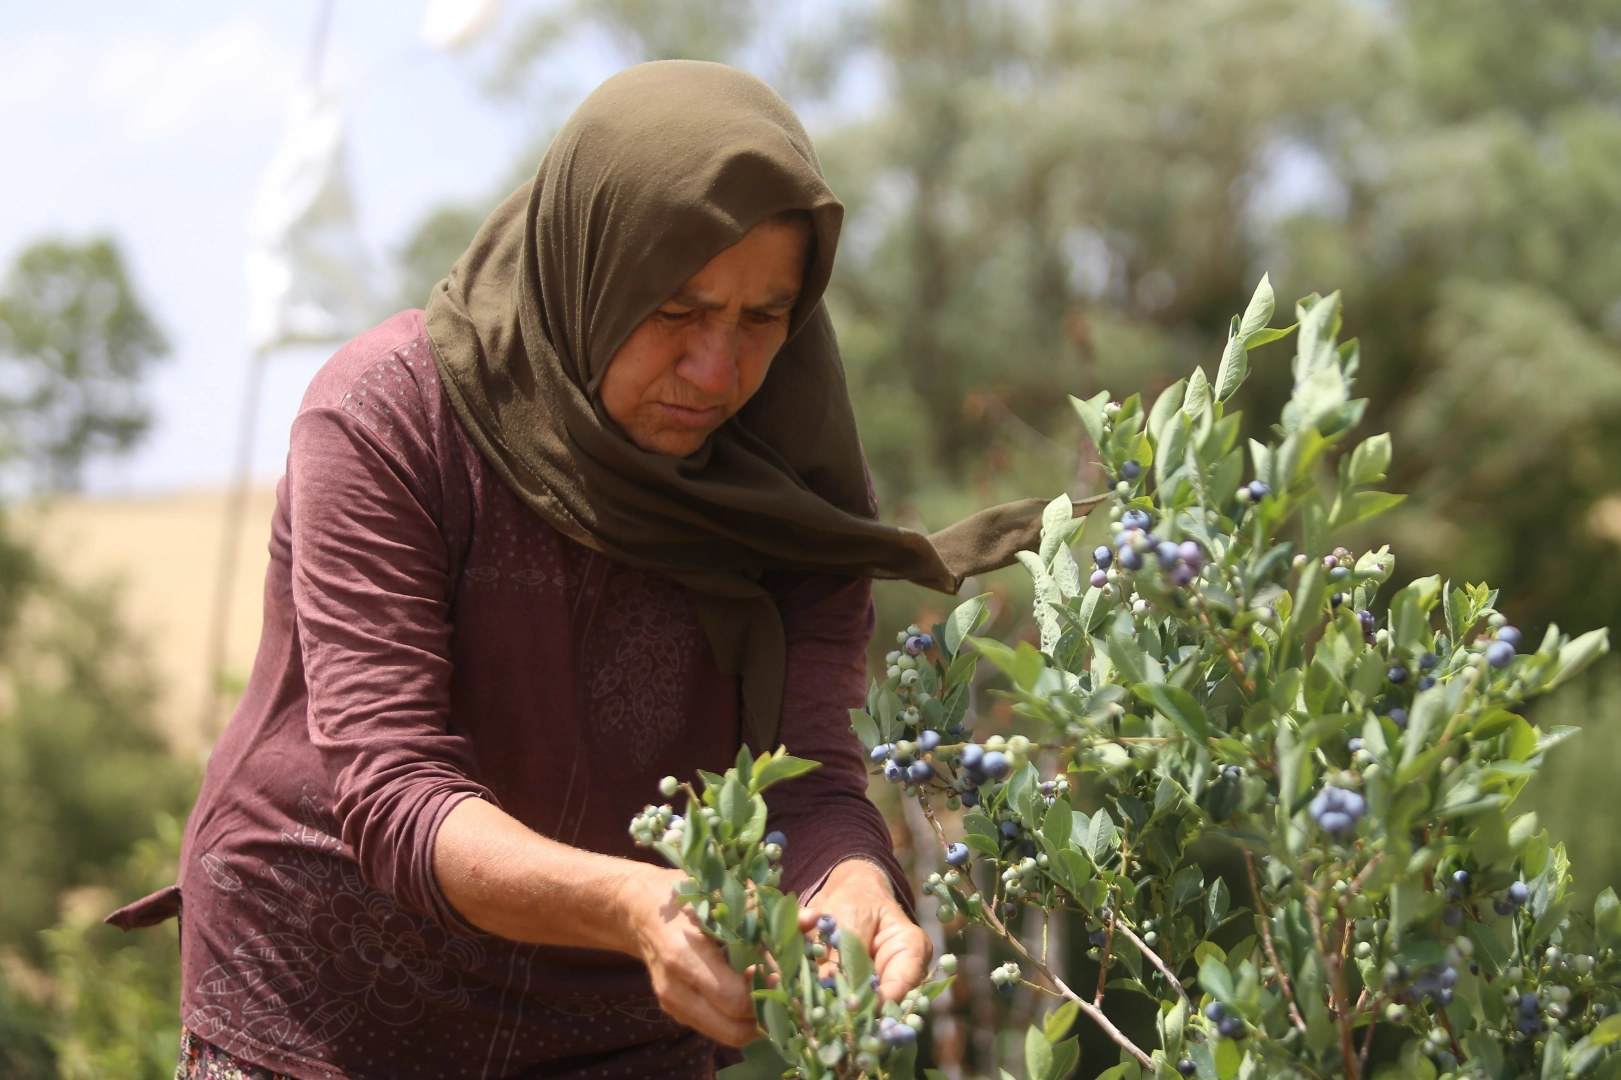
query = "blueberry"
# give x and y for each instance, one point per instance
(826, 924)
(1136, 519)
(1336, 823)
(1103, 557)
(970, 798)
(777, 838)
(1365, 617)
(1354, 804)
(1099, 579)
(1443, 996)
(996, 765)
(928, 740)
(957, 854)
(1215, 1012)
(1428, 661)
(1397, 674)
(1530, 1025)
(1131, 470)
(1191, 553)
(832, 939)
(1182, 575)
(1336, 600)
(919, 771)
(882, 751)
(1009, 910)
(1510, 635)
(1452, 916)
(954, 729)
(893, 772)
(972, 756)
(1399, 718)
(1129, 559)
(1010, 830)
(1425, 682)
(1232, 1028)
(1167, 553)
(1006, 989)
(1098, 937)
(1528, 1004)
(1499, 654)
(1519, 894)
(1502, 907)
(828, 983)
(1186, 1067)
(975, 776)
(916, 644)
(1258, 490)
(1354, 745)
(1461, 879)
(900, 1035)
(1339, 573)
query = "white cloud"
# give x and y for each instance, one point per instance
(161, 85)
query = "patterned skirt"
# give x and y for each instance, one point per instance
(203, 1061)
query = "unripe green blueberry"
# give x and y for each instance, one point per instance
(1363, 950)
(1396, 1014)
(1151, 939)
(871, 1044)
(1496, 619)
(866, 1062)
(995, 742)
(818, 1014)
(947, 912)
(669, 786)
(913, 1021)
(948, 964)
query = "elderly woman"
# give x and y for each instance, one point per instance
(599, 515)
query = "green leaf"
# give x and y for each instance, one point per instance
(1268, 336)
(1167, 408)
(964, 620)
(1216, 979)
(1553, 1057)
(1091, 414)
(865, 727)
(1576, 654)
(1228, 1059)
(1215, 904)
(854, 960)
(1179, 707)
(760, 1062)
(1361, 505)
(1058, 823)
(1370, 460)
(1059, 1021)
(1038, 1054)
(1066, 1055)
(782, 767)
(1260, 308)
(1196, 400)
(1234, 368)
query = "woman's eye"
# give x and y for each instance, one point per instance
(676, 315)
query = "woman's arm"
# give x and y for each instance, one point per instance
(504, 878)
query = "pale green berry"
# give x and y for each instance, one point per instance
(948, 964)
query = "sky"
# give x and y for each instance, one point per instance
(153, 123)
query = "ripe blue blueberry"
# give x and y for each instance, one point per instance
(1452, 916)
(970, 798)
(1167, 553)
(1425, 682)
(900, 1035)
(1519, 894)
(1192, 553)
(1129, 559)
(1103, 557)
(1336, 600)
(1509, 634)
(1186, 1067)
(1010, 830)
(832, 939)
(957, 854)
(894, 772)
(1131, 470)
(1397, 674)
(1502, 907)
(776, 837)
(916, 645)
(996, 765)
(1530, 1025)
(828, 983)
(1215, 1011)
(1461, 879)
(1098, 937)
(1499, 654)
(1339, 573)
(919, 771)
(1365, 617)
(1336, 810)
(1182, 575)
(1258, 490)
(1398, 716)
(1528, 1004)
(928, 740)
(1136, 519)
(973, 755)
(826, 924)
(1232, 1028)
(882, 751)
(1428, 661)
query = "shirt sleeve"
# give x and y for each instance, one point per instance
(826, 814)
(371, 581)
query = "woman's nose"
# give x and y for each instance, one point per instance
(710, 362)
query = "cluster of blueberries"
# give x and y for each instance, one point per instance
(1006, 978)
(1337, 810)
(1435, 984)
(1180, 562)
(1514, 897)
(1500, 653)
(1228, 1026)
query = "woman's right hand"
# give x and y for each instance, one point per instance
(694, 982)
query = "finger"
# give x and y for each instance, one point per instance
(693, 1010)
(712, 977)
(902, 960)
(807, 919)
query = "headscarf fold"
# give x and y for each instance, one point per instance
(661, 168)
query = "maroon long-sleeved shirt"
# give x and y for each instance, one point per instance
(427, 639)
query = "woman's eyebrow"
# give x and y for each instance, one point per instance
(704, 302)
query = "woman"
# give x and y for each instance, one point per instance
(598, 516)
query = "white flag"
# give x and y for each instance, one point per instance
(455, 24)
(308, 274)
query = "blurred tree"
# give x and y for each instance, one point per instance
(74, 344)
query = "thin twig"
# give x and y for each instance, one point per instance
(1103, 956)
(1232, 657)
(1336, 971)
(1271, 952)
(1094, 1013)
(1446, 1022)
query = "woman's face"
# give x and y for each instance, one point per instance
(696, 360)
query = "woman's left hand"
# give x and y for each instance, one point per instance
(859, 896)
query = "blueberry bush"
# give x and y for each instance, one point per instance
(1226, 669)
(816, 995)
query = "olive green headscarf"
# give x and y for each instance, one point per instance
(664, 166)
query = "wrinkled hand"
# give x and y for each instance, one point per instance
(859, 896)
(694, 982)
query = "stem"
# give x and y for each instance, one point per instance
(1367, 1040)
(1155, 959)
(1271, 952)
(1452, 1036)
(1103, 956)
(1336, 971)
(1232, 657)
(1094, 1013)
